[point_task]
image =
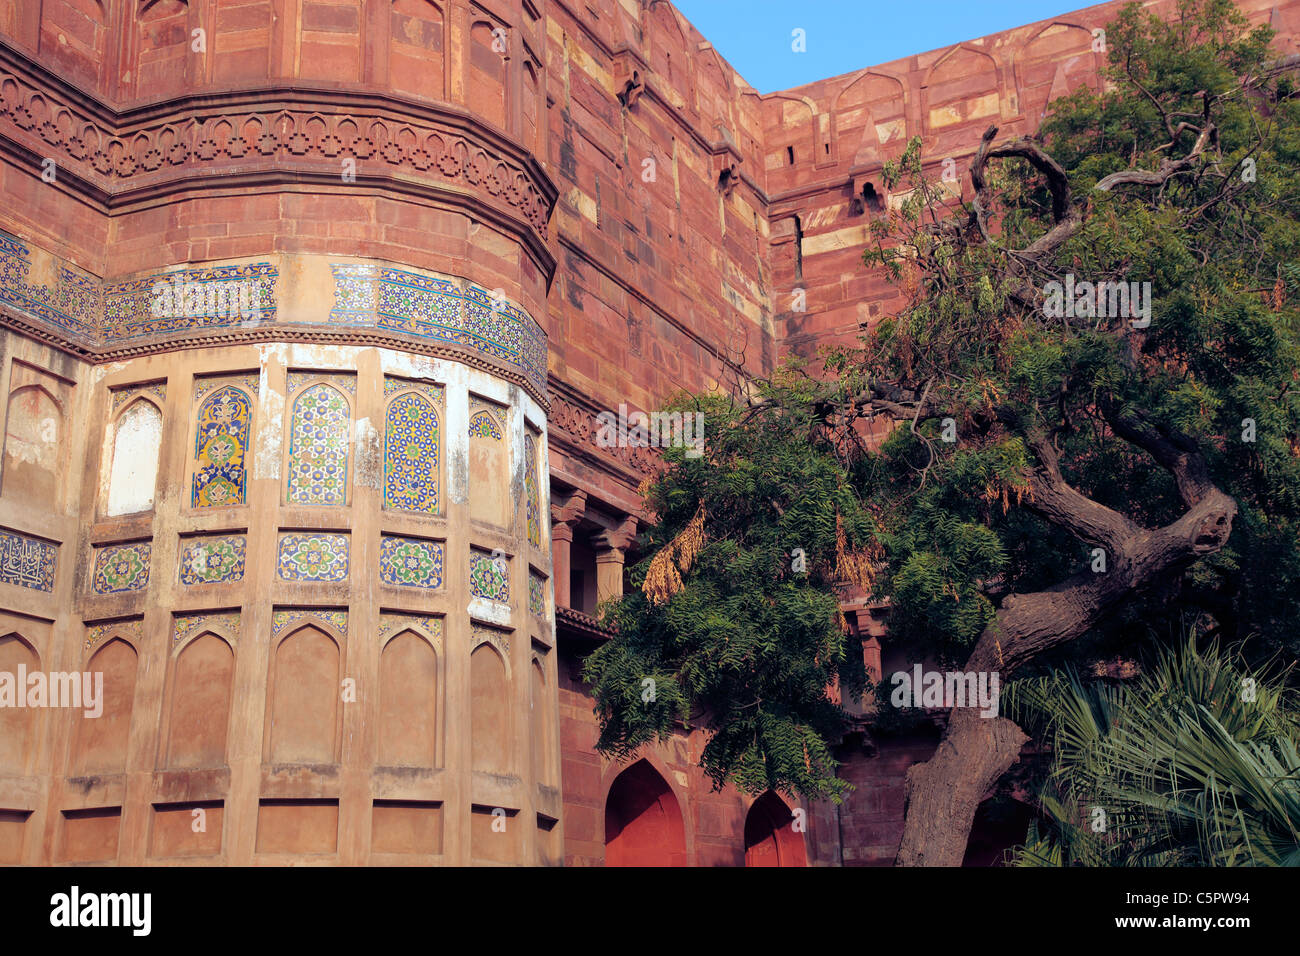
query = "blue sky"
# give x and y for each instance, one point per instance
(754, 36)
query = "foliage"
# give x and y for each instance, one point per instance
(946, 531)
(1189, 764)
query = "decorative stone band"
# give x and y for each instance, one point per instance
(224, 304)
(441, 309)
(253, 134)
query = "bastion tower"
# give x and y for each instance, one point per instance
(273, 278)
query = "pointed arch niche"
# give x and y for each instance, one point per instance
(199, 690)
(643, 820)
(18, 725)
(133, 471)
(99, 744)
(35, 437)
(409, 693)
(304, 710)
(489, 676)
(770, 839)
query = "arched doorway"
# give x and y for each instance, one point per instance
(643, 821)
(770, 839)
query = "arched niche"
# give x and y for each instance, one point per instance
(543, 732)
(643, 820)
(304, 698)
(490, 499)
(133, 474)
(770, 839)
(198, 713)
(408, 702)
(412, 454)
(18, 725)
(32, 445)
(319, 433)
(99, 744)
(489, 710)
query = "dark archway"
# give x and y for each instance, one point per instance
(643, 821)
(770, 839)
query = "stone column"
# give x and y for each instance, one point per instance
(565, 515)
(611, 551)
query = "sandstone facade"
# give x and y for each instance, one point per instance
(308, 309)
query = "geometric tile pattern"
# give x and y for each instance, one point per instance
(27, 562)
(536, 593)
(441, 310)
(74, 303)
(479, 634)
(489, 577)
(410, 562)
(338, 620)
(131, 629)
(318, 447)
(156, 390)
(220, 443)
(411, 454)
(121, 567)
(205, 300)
(426, 624)
(215, 559)
(185, 625)
(483, 425)
(313, 556)
(532, 496)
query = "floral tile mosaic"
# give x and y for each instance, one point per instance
(186, 625)
(427, 624)
(536, 593)
(121, 567)
(410, 562)
(489, 576)
(313, 556)
(98, 633)
(155, 390)
(282, 620)
(532, 491)
(221, 440)
(213, 559)
(480, 633)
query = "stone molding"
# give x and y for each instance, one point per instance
(275, 132)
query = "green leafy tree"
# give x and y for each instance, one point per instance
(1054, 471)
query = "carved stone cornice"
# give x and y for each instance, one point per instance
(573, 424)
(269, 135)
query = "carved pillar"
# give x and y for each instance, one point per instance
(611, 551)
(565, 515)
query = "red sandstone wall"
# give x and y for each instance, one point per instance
(842, 129)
